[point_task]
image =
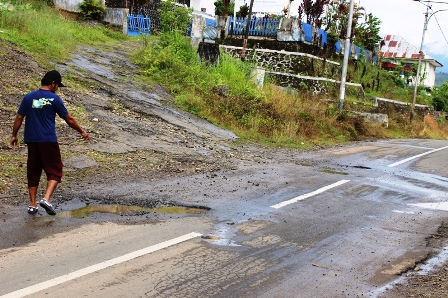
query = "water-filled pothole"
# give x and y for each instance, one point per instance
(330, 171)
(120, 209)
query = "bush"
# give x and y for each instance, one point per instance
(440, 98)
(173, 17)
(92, 10)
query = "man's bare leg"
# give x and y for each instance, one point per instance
(51, 186)
(33, 194)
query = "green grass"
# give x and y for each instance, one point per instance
(45, 33)
(267, 115)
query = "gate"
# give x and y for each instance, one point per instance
(138, 25)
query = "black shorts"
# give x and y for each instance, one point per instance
(43, 156)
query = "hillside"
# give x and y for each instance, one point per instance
(441, 77)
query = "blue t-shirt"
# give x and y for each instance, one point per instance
(40, 108)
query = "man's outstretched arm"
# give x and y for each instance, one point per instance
(71, 121)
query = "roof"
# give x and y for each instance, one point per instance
(397, 47)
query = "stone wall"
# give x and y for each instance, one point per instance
(313, 84)
(297, 70)
(394, 107)
(288, 62)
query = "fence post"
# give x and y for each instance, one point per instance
(125, 22)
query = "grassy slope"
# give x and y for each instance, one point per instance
(266, 115)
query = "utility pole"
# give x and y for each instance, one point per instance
(346, 54)
(420, 55)
(246, 34)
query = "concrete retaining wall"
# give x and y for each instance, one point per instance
(71, 5)
(117, 17)
(288, 62)
(68, 5)
(114, 16)
(391, 107)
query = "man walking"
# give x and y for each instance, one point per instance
(40, 108)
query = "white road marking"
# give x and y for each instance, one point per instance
(437, 206)
(416, 156)
(70, 276)
(310, 194)
(403, 212)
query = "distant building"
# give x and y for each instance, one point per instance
(206, 6)
(395, 50)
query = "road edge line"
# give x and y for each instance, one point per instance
(90, 269)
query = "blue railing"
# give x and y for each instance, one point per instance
(210, 22)
(308, 30)
(257, 27)
(323, 37)
(138, 25)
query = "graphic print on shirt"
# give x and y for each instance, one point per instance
(39, 103)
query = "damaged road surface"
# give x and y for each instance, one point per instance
(339, 222)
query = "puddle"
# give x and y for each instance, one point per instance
(403, 212)
(425, 269)
(303, 164)
(222, 235)
(120, 209)
(436, 206)
(362, 167)
(329, 171)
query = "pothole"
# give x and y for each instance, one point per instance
(330, 171)
(129, 210)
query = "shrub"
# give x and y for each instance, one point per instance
(92, 10)
(173, 17)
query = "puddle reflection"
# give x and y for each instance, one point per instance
(120, 209)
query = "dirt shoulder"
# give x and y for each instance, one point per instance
(137, 133)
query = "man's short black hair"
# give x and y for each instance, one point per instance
(50, 77)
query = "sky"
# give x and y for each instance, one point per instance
(406, 18)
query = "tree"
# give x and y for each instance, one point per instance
(336, 19)
(243, 12)
(224, 7)
(367, 33)
(312, 10)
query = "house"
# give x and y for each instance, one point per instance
(206, 6)
(395, 50)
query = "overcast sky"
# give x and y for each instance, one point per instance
(406, 18)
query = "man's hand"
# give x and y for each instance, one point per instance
(14, 142)
(15, 129)
(85, 136)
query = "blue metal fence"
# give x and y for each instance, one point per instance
(323, 36)
(257, 26)
(138, 25)
(308, 30)
(210, 22)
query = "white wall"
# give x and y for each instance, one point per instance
(207, 4)
(430, 71)
(70, 5)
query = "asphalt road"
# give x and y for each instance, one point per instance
(341, 222)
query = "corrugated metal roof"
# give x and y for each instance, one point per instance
(397, 47)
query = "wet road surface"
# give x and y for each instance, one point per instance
(348, 221)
